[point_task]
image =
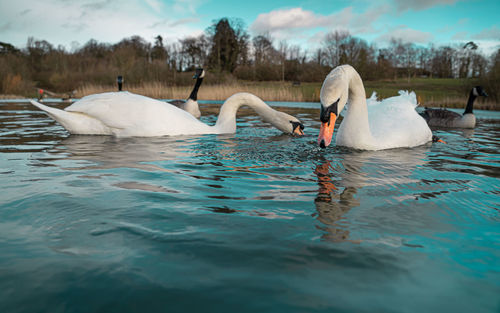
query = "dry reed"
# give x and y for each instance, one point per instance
(207, 92)
(267, 92)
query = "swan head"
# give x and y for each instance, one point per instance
(333, 96)
(286, 123)
(199, 73)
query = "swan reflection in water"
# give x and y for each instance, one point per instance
(339, 182)
(135, 152)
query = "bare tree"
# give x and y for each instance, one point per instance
(332, 46)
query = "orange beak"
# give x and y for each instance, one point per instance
(441, 141)
(298, 132)
(326, 131)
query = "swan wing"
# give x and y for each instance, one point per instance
(394, 122)
(135, 115)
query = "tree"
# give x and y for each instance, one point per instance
(264, 52)
(332, 46)
(158, 52)
(194, 49)
(228, 44)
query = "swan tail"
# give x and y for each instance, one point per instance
(75, 122)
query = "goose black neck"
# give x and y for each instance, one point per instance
(470, 103)
(194, 94)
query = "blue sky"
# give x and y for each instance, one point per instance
(73, 23)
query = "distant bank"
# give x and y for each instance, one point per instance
(431, 92)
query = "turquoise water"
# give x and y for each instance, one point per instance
(251, 222)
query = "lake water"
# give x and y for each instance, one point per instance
(252, 222)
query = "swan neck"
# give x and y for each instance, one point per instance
(226, 121)
(356, 88)
(356, 122)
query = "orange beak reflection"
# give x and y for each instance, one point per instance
(326, 131)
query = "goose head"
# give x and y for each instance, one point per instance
(478, 91)
(333, 97)
(199, 73)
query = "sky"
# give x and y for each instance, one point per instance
(72, 23)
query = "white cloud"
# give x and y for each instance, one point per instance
(294, 21)
(155, 5)
(186, 6)
(290, 19)
(419, 5)
(489, 33)
(407, 35)
(63, 22)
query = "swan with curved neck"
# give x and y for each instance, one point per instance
(124, 114)
(391, 123)
(447, 118)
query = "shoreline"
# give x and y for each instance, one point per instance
(435, 93)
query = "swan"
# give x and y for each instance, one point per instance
(191, 104)
(386, 124)
(124, 114)
(447, 118)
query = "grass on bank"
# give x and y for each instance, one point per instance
(431, 92)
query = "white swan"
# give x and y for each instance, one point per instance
(125, 114)
(391, 123)
(191, 103)
(447, 118)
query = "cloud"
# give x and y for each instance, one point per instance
(290, 19)
(24, 12)
(174, 23)
(295, 20)
(489, 33)
(67, 21)
(460, 36)
(407, 35)
(419, 5)
(6, 26)
(96, 5)
(186, 6)
(155, 5)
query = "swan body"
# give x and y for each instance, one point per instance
(191, 104)
(376, 125)
(125, 114)
(447, 118)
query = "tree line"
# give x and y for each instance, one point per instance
(228, 52)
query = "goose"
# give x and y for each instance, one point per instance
(447, 118)
(124, 114)
(391, 123)
(119, 82)
(191, 104)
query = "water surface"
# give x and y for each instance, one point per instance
(251, 222)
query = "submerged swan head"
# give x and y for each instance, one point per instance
(289, 124)
(333, 97)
